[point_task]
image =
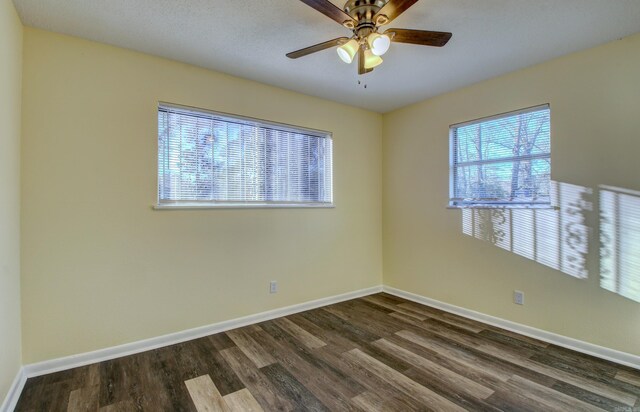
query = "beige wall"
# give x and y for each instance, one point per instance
(101, 268)
(595, 102)
(10, 103)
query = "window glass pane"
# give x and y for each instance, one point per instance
(502, 160)
(521, 181)
(206, 157)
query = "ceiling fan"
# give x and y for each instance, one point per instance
(364, 18)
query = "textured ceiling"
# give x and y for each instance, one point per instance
(249, 38)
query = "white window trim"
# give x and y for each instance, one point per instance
(236, 205)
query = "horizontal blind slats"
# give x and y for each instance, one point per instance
(204, 157)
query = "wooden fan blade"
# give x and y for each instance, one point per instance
(422, 37)
(317, 47)
(361, 69)
(393, 9)
(330, 10)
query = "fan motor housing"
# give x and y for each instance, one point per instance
(362, 11)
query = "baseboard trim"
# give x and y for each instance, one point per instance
(601, 352)
(11, 400)
(74, 361)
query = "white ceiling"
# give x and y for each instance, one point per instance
(250, 38)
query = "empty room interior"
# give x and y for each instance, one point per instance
(369, 205)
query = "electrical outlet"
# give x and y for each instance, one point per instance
(518, 297)
(273, 286)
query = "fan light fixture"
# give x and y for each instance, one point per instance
(371, 60)
(348, 51)
(378, 43)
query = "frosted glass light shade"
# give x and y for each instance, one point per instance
(378, 43)
(371, 60)
(348, 51)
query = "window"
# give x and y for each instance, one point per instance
(210, 159)
(502, 161)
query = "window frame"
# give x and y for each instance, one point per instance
(455, 203)
(221, 204)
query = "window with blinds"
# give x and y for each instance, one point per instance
(211, 159)
(502, 161)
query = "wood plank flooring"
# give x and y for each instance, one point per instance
(377, 353)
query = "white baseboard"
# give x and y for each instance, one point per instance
(549, 337)
(74, 361)
(11, 400)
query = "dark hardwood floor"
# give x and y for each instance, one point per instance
(374, 353)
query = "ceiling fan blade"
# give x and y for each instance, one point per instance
(317, 47)
(422, 37)
(393, 9)
(361, 68)
(330, 10)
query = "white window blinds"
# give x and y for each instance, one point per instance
(211, 159)
(502, 161)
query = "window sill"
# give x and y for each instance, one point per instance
(518, 207)
(194, 206)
